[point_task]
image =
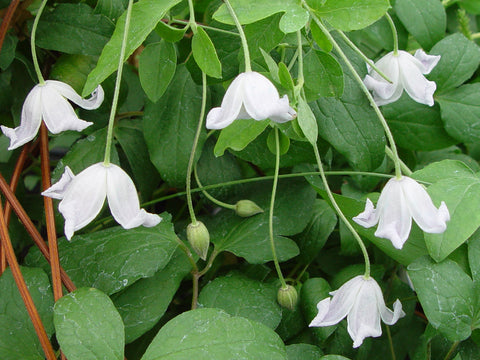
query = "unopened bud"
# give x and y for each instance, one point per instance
(287, 297)
(199, 238)
(246, 208)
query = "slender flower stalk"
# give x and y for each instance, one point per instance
(208, 196)
(191, 21)
(394, 34)
(41, 80)
(246, 52)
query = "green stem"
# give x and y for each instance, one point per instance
(394, 33)
(406, 170)
(451, 350)
(179, 21)
(272, 204)
(475, 36)
(41, 80)
(363, 56)
(301, 79)
(358, 79)
(194, 148)
(116, 92)
(390, 343)
(341, 214)
(208, 196)
(246, 53)
(192, 23)
(187, 252)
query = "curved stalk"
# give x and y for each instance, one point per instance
(246, 52)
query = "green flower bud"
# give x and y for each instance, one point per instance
(199, 238)
(287, 297)
(246, 208)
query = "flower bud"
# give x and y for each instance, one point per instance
(246, 208)
(199, 238)
(287, 297)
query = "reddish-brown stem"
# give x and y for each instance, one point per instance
(7, 19)
(49, 215)
(31, 229)
(22, 288)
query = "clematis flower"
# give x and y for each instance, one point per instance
(361, 301)
(400, 201)
(250, 96)
(49, 101)
(82, 197)
(406, 72)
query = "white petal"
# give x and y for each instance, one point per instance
(394, 216)
(67, 91)
(283, 111)
(221, 117)
(58, 114)
(364, 317)
(30, 121)
(84, 198)
(123, 200)
(261, 98)
(390, 317)
(426, 215)
(415, 84)
(368, 217)
(322, 308)
(57, 190)
(428, 61)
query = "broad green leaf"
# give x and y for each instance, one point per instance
(448, 297)
(460, 58)
(263, 35)
(320, 38)
(169, 127)
(474, 255)
(238, 135)
(462, 196)
(111, 8)
(426, 20)
(88, 327)
(324, 75)
(416, 126)
(170, 33)
(205, 54)
(156, 67)
(145, 16)
(206, 334)
(472, 6)
(307, 122)
(444, 169)
(294, 18)
(460, 109)
(303, 352)
(74, 29)
(347, 15)
(241, 296)
(8, 51)
(228, 48)
(113, 259)
(142, 304)
(73, 70)
(333, 357)
(18, 339)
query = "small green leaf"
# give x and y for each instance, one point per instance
(206, 334)
(324, 75)
(307, 121)
(156, 67)
(283, 140)
(285, 77)
(272, 66)
(205, 54)
(238, 135)
(88, 327)
(320, 38)
(170, 33)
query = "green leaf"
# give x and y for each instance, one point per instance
(333, 357)
(263, 35)
(444, 169)
(447, 295)
(111, 8)
(8, 51)
(113, 259)
(303, 352)
(472, 6)
(320, 38)
(240, 296)
(206, 334)
(474, 255)
(283, 140)
(295, 17)
(74, 29)
(145, 16)
(285, 77)
(170, 125)
(347, 15)
(88, 327)
(142, 304)
(170, 33)
(462, 196)
(460, 110)
(18, 339)
(238, 135)
(324, 74)
(73, 70)
(205, 54)
(426, 20)
(272, 66)
(307, 122)
(460, 58)
(156, 67)
(416, 126)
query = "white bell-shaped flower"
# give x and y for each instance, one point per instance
(82, 197)
(48, 101)
(405, 72)
(250, 96)
(361, 301)
(400, 201)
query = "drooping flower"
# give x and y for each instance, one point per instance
(48, 101)
(400, 201)
(82, 197)
(361, 301)
(250, 96)
(406, 72)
